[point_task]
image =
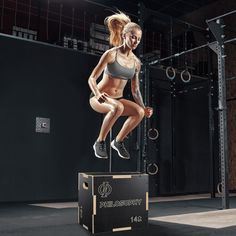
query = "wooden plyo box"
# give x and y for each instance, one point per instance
(112, 202)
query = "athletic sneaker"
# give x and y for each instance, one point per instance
(120, 148)
(100, 150)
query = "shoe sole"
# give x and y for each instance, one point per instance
(114, 147)
(100, 157)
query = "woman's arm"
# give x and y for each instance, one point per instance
(97, 71)
(135, 87)
(137, 94)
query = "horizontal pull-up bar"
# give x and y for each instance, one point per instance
(229, 40)
(221, 16)
(190, 50)
(180, 53)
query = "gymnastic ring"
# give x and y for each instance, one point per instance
(172, 70)
(155, 169)
(219, 188)
(188, 76)
(153, 137)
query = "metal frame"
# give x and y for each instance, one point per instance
(216, 27)
(217, 30)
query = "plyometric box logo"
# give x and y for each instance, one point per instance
(104, 189)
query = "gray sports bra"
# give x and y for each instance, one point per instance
(118, 71)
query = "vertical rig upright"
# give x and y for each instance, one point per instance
(216, 28)
(141, 165)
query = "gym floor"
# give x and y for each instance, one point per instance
(193, 215)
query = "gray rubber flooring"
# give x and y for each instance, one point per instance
(170, 218)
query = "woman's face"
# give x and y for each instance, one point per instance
(133, 38)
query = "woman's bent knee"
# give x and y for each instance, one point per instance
(140, 112)
(117, 109)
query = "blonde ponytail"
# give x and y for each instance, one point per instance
(115, 24)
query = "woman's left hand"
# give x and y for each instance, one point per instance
(148, 111)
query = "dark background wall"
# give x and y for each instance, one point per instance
(192, 149)
(39, 80)
(183, 149)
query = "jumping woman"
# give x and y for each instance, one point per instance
(118, 65)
